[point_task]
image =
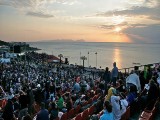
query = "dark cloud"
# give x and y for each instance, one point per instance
(123, 25)
(137, 25)
(151, 12)
(106, 26)
(149, 33)
(18, 3)
(155, 17)
(39, 14)
(139, 33)
(30, 7)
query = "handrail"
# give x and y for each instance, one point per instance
(138, 66)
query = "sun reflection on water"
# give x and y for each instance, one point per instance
(117, 57)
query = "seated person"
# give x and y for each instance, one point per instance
(132, 95)
(111, 91)
(60, 101)
(53, 111)
(107, 112)
(119, 105)
(121, 87)
(152, 94)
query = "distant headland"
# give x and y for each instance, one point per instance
(62, 40)
(23, 45)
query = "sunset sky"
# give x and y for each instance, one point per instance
(89, 20)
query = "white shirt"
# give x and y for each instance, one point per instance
(60, 114)
(88, 87)
(134, 79)
(158, 80)
(11, 90)
(51, 97)
(117, 112)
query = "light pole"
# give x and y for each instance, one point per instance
(60, 56)
(25, 53)
(83, 58)
(88, 58)
(96, 59)
(80, 59)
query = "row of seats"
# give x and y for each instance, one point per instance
(3, 103)
(83, 115)
(149, 114)
(126, 115)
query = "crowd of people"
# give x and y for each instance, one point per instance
(45, 91)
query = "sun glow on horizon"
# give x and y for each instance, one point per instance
(118, 19)
(117, 29)
(90, 21)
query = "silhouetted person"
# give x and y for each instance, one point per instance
(114, 74)
(107, 78)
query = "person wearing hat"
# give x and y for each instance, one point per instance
(119, 105)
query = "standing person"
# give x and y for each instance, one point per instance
(142, 80)
(43, 114)
(114, 73)
(106, 78)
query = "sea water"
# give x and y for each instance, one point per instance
(124, 54)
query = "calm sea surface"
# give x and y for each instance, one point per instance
(125, 54)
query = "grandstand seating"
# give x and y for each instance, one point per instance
(91, 110)
(149, 114)
(77, 109)
(64, 116)
(71, 113)
(85, 114)
(126, 115)
(78, 117)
